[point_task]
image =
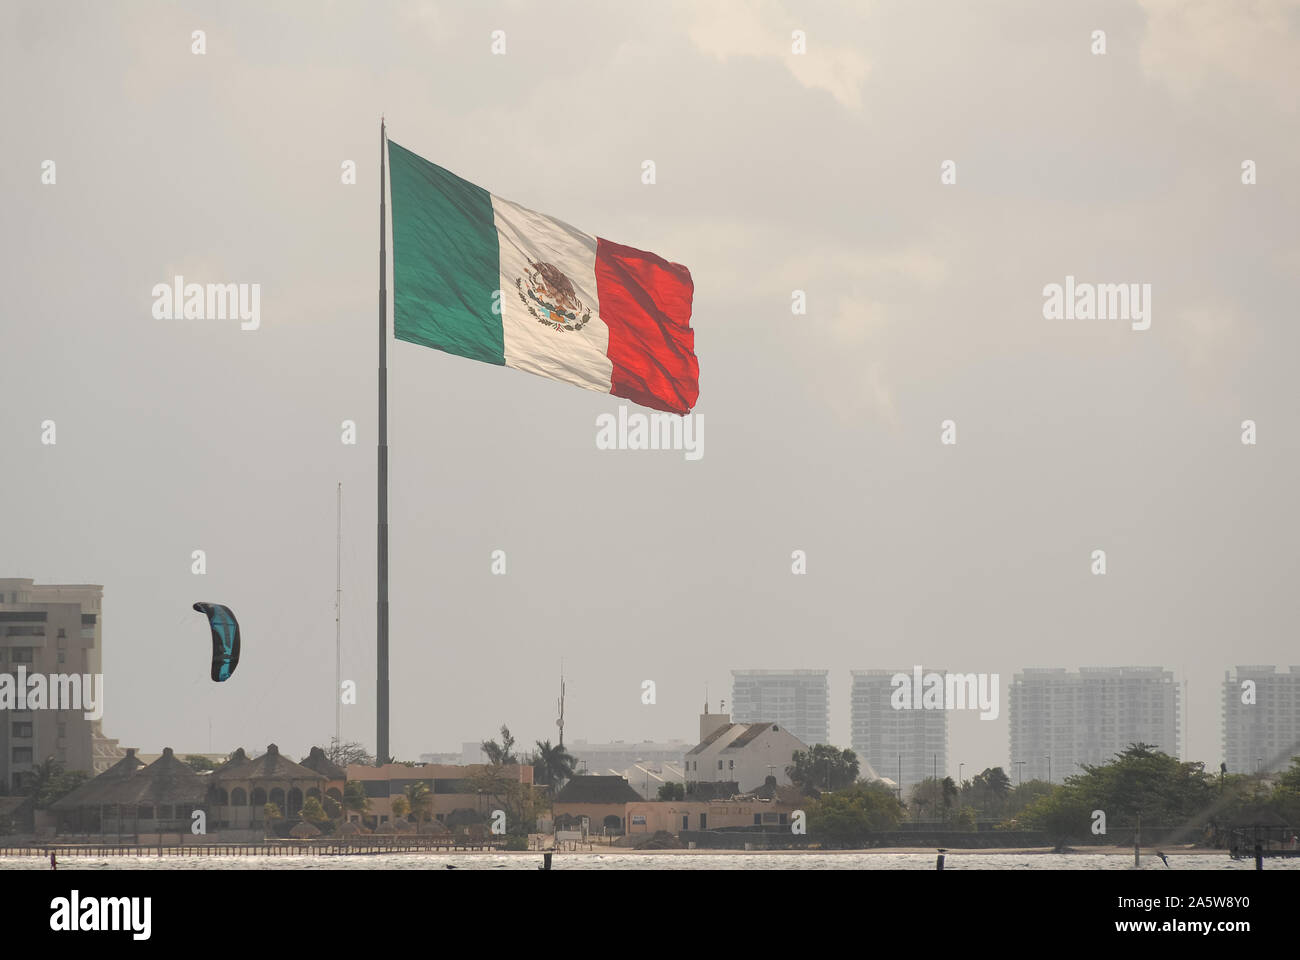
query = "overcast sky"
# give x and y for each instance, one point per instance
(775, 172)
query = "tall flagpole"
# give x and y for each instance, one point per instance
(338, 614)
(381, 604)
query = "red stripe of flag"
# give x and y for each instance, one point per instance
(646, 303)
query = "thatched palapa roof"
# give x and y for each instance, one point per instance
(166, 781)
(271, 765)
(316, 760)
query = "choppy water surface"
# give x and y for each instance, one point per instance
(666, 861)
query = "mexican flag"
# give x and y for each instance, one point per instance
(481, 277)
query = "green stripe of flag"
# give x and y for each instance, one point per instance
(446, 260)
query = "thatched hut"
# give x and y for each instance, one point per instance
(304, 831)
(129, 798)
(335, 776)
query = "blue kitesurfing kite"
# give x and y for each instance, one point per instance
(225, 639)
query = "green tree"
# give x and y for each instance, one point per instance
(59, 786)
(399, 805)
(926, 799)
(1290, 780)
(200, 763)
(823, 767)
(552, 765)
(39, 778)
(354, 797)
(502, 790)
(846, 818)
(419, 801)
(1141, 782)
(501, 754)
(49, 782)
(948, 794)
(313, 810)
(1023, 796)
(672, 791)
(987, 791)
(272, 813)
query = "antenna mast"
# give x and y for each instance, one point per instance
(560, 722)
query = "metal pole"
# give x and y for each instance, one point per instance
(381, 602)
(338, 613)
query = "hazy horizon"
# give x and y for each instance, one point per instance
(774, 173)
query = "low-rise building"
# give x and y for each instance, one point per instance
(451, 789)
(747, 753)
(675, 816)
(241, 788)
(602, 801)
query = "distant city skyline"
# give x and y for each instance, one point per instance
(1074, 717)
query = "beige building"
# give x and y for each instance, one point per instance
(53, 630)
(676, 816)
(448, 784)
(240, 789)
(600, 801)
(610, 806)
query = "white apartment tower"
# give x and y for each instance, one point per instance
(797, 700)
(1060, 720)
(906, 746)
(1261, 718)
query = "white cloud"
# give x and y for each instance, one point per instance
(1193, 45)
(763, 29)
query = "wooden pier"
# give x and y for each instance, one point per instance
(362, 846)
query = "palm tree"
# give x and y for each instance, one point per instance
(42, 775)
(553, 765)
(418, 800)
(354, 797)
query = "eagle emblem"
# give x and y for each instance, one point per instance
(550, 298)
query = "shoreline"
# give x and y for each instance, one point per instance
(234, 851)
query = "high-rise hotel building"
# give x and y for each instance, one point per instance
(1261, 718)
(906, 746)
(798, 700)
(1061, 719)
(50, 630)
